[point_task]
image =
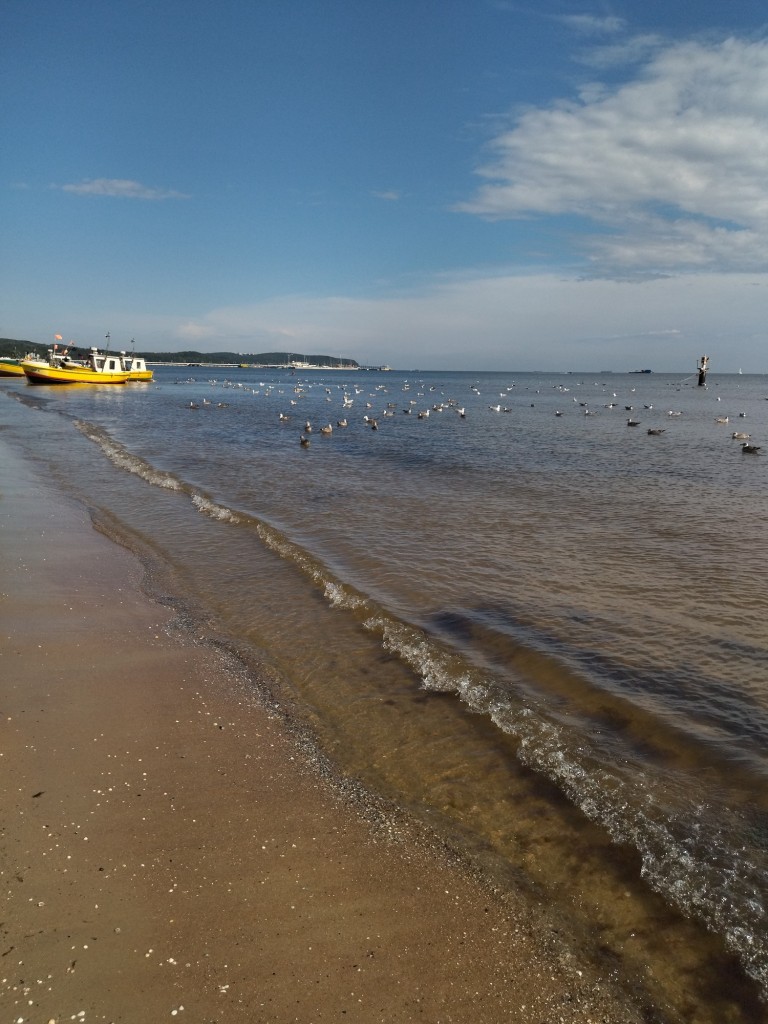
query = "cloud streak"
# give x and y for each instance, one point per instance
(673, 164)
(120, 188)
(590, 24)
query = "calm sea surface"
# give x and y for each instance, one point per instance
(546, 635)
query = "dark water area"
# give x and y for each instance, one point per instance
(538, 629)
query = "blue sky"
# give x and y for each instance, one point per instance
(449, 184)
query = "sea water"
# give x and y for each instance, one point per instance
(539, 629)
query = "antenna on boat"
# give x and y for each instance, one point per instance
(108, 340)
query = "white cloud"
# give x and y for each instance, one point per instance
(629, 51)
(590, 24)
(389, 195)
(121, 188)
(666, 246)
(674, 162)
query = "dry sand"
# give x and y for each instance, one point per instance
(168, 852)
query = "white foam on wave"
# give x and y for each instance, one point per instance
(280, 544)
(120, 457)
(213, 510)
(339, 596)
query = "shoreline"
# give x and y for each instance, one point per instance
(165, 835)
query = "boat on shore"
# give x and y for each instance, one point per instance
(10, 367)
(137, 368)
(62, 368)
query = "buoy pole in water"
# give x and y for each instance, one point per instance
(703, 367)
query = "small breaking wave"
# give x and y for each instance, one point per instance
(119, 456)
(723, 890)
(213, 510)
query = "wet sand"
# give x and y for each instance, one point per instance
(169, 851)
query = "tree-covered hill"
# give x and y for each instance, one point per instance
(16, 348)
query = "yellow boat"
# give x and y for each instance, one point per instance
(137, 368)
(98, 368)
(10, 367)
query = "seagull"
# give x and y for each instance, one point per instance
(341, 423)
(304, 441)
(750, 449)
(721, 419)
(633, 423)
(326, 430)
(656, 430)
(739, 435)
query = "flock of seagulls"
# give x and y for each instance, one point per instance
(424, 405)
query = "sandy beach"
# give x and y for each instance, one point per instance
(169, 851)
